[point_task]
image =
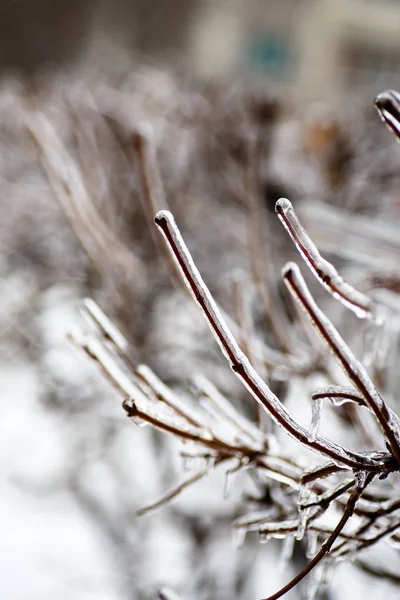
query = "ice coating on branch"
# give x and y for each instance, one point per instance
(323, 270)
(312, 543)
(226, 408)
(339, 395)
(388, 107)
(360, 477)
(165, 593)
(316, 408)
(352, 367)
(239, 363)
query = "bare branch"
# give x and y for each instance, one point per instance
(388, 106)
(323, 270)
(177, 490)
(352, 367)
(239, 362)
(326, 546)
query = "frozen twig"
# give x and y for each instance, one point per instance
(327, 544)
(239, 362)
(323, 270)
(352, 367)
(69, 186)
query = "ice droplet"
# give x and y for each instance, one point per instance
(264, 537)
(139, 422)
(315, 419)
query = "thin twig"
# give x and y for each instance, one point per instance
(325, 547)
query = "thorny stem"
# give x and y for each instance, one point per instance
(240, 364)
(352, 367)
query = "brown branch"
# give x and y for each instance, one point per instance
(240, 364)
(323, 270)
(351, 366)
(326, 546)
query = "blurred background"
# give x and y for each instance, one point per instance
(316, 48)
(77, 78)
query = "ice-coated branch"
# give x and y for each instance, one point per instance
(240, 364)
(352, 367)
(178, 489)
(323, 270)
(327, 544)
(388, 106)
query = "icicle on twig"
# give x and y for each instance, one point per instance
(108, 330)
(286, 552)
(316, 409)
(323, 270)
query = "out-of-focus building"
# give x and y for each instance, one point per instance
(348, 44)
(318, 47)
